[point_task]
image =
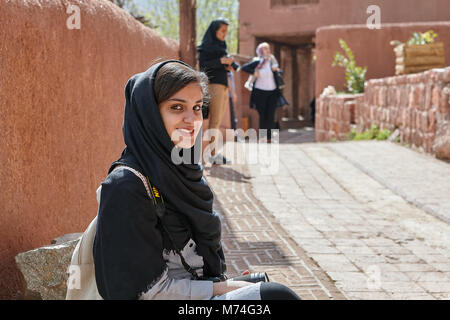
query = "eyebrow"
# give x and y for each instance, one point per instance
(184, 101)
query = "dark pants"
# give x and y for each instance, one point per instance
(232, 116)
(277, 291)
(265, 103)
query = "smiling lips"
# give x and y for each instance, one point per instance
(186, 131)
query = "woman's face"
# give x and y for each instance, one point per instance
(221, 33)
(266, 51)
(182, 115)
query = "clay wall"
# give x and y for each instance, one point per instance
(61, 112)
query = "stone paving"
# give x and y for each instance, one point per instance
(254, 241)
(369, 216)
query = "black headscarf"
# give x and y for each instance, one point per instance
(185, 190)
(210, 43)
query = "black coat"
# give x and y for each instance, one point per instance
(210, 51)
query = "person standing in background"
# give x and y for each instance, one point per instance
(266, 95)
(215, 62)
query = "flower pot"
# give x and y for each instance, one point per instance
(413, 58)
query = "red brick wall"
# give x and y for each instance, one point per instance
(61, 112)
(416, 104)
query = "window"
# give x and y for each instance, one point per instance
(274, 3)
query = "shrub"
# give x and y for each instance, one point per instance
(372, 133)
(354, 75)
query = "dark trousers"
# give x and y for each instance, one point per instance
(265, 103)
(232, 116)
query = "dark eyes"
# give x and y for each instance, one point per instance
(178, 107)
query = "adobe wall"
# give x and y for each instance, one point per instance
(371, 48)
(61, 111)
(258, 19)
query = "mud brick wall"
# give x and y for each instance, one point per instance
(417, 105)
(334, 116)
(61, 113)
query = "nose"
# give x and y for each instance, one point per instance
(190, 116)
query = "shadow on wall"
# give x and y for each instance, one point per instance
(61, 106)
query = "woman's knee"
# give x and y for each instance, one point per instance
(277, 291)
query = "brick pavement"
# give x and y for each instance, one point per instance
(253, 240)
(360, 232)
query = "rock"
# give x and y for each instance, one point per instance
(45, 269)
(441, 146)
(328, 91)
(393, 137)
(66, 238)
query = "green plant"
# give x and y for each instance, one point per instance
(165, 18)
(134, 10)
(354, 75)
(422, 38)
(372, 133)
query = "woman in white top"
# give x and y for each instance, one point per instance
(266, 95)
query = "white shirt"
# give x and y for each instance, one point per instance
(265, 81)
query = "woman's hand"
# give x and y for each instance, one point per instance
(275, 69)
(234, 97)
(223, 287)
(256, 74)
(226, 60)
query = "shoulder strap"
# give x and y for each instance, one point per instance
(140, 176)
(158, 201)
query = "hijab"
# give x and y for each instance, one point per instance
(210, 43)
(183, 187)
(260, 54)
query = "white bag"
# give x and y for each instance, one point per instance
(81, 284)
(249, 84)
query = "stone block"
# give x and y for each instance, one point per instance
(404, 96)
(45, 270)
(326, 123)
(333, 111)
(334, 126)
(444, 105)
(407, 118)
(343, 127)
(423, 120)
(446, 75)
(348, 112)
(417, 138)
(428, 95)
(405, 135)
(396, 116)
(382, 96)
(415, 97)
(431, 121)
(441, 145)
(320, 122)
(428, 141)
(436, 97)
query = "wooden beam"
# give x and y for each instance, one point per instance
(188, 38)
